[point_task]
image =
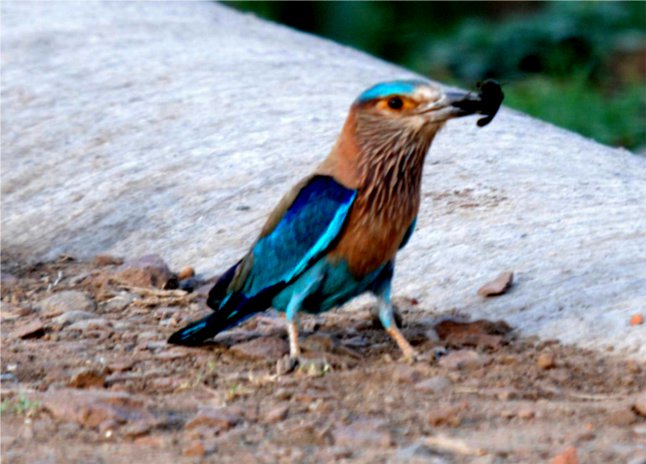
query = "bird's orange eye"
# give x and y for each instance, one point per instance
(395, 103)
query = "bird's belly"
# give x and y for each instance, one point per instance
(367, 246)
(324, 286)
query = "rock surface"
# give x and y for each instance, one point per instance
(144, 136)
(66, 301)
(90, 408)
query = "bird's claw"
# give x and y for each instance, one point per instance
(310, 367)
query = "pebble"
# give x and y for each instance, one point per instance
(636, 319)
(436, 384)
(363, 433)
(526, 413)
(622, 417)
(546, 361)
(566, 457)
(640, 404)
(450, 415)
(89, 408)
(107, 260)
(66, 301)
(8, 280)
(462, 359)
(195, 449)
(71, 317)
(33, 329)
(97, 323)
(220, 419)
(186, 273)
(145, 271)
(276, 414)
(87, 378)
(268, 348)
(403, 373)
(498, 286)
(119, 302)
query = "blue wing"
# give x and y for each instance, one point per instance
(408, 234)
(310, 225)
(306, 230)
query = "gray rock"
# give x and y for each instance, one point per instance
(119, 302)
(66, 301)
(96, 323)
(437, 384)
(363, 433)
(144, 271)
(71, 317)
(159, 157)
(270, 348)
(33, 329)
(463, 359)
(90, 408)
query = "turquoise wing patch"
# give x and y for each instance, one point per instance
(311, 224)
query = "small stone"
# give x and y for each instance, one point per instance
(66, 301)
(622, 417)
(219, 419)
(268, 348)
(498, 286)
(107, 260)
(150, 440)
(449, 415)
(362, 433)
(33, 329)
(91, 407)
(404, 373)
(171, 355)
(119, 302)
(546, 361)
(87, 378)
(636, 319)
(526, 413)
(640, 404)
(98, 323)
(566, 457)
(437, 384)
(276, 414)
(462, 359)
(186, 273)
(144, 271)
(71, 317)
(138, 428)
(8, 280)
(319, 343)
(195, 449)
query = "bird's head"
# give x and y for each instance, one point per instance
(391, 126)
(420, 107)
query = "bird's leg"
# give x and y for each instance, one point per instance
(387, 318)
(292, 332)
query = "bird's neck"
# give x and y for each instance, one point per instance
(384, 163)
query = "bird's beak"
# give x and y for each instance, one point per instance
(457, 104)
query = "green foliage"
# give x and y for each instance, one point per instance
(579, 65)
(571, 102)
(20, 406)
(565, 37)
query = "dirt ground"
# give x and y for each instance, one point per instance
(108, 389)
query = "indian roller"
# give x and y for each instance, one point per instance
(336, 233)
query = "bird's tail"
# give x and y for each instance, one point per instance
(229, 310)
(234, 309)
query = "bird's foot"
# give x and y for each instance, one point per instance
(310, 367)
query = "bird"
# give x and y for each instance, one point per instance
(335, 235)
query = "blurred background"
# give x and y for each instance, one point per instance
(580, 65)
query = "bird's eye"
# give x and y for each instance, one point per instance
(395, 103)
